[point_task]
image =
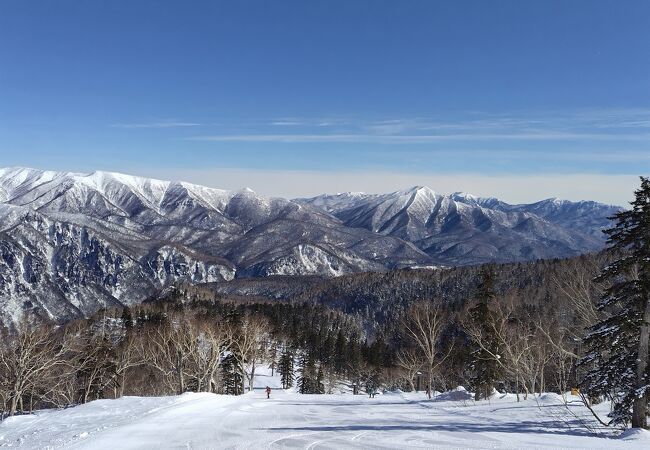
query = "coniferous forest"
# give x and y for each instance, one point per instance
(546, 326)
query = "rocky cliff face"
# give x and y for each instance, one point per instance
(60, 269)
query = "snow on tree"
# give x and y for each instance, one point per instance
(285, 367)
(485, 369)
(310, 379)
(618, 344)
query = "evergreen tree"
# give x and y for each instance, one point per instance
(485, 371)
(232, 378)
(319, 386)
(127, 318)
(327, 349)
(354, 356)
(272, 357)
(285, 367)
(618, 345)
(340, 353)
(307, 377)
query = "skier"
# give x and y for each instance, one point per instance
(268, 392)
(371, 388)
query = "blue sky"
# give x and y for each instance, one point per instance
(519, 99)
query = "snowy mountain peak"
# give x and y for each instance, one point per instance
(558, 201)
(41, 189)
(470, 199)
(464, 197)
(111, 236)
(246, 190)
(420, 190)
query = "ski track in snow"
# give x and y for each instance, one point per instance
(290, 420)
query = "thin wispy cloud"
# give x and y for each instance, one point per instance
(287, 123)
(596, 119)
(170, 124)
(548, 155)
(582, 125)
(595, 124)
(416, 138)
(309, 122)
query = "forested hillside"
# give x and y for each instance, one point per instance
(377, 298)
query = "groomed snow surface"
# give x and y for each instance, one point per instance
(291, 420)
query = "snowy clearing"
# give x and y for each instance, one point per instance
(290, 420)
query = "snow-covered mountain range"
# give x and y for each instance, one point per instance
(461, 229)
(70, 243)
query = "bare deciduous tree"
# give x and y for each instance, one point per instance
(410, 364)
(580, 292)
(514, 341)
(246, 341)
(127, 357)
(424, 324)
(27, 359)
(205, 355)
(167, 348)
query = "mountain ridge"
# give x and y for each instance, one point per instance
(65, 236)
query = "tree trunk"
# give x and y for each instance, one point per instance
(120, 388)
(212, 384)
(639, 418)
(250, 380)
(14, 406)
(179, 372)
(17, 393)
(517, 386)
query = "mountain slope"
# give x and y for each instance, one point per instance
(463, 229)
(60, 270)
(71, 243)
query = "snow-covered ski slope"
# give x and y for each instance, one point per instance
(290, 420)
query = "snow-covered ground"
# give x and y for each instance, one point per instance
(291, 420)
